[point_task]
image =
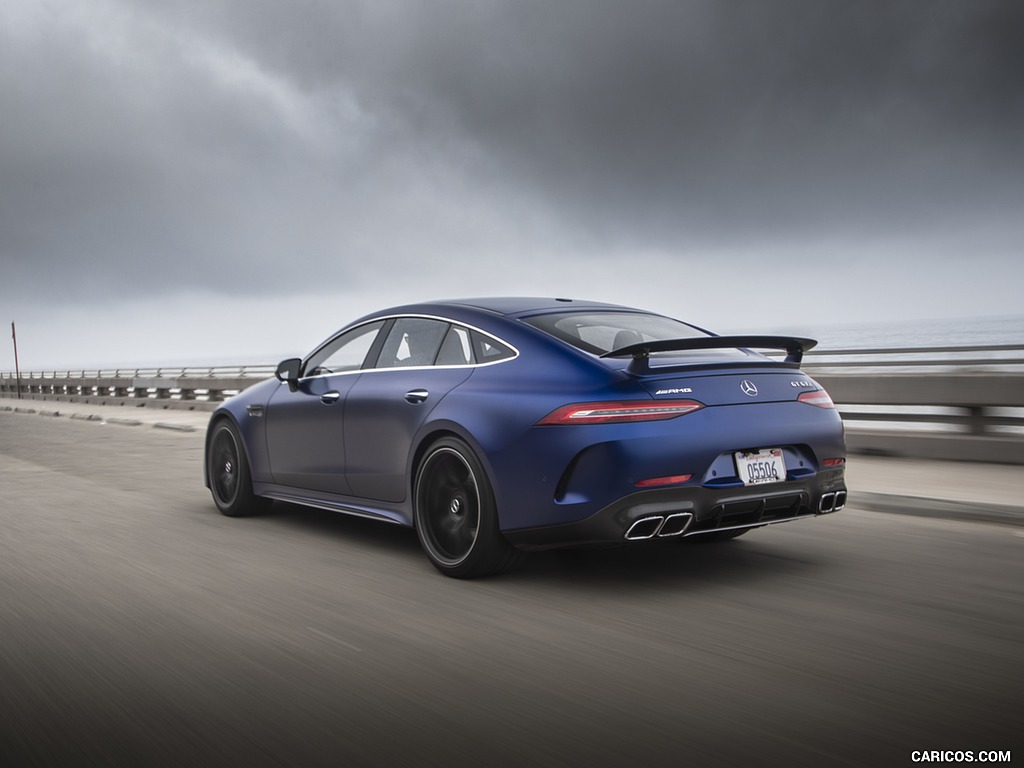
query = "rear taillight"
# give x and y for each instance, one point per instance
(818, 397)
(652, 482)
(619, 412)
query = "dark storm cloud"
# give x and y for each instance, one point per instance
(250, 146)
(666, 118)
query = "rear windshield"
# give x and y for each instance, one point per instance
(603, 332)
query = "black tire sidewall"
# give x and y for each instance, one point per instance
(244, 502)
(489, 546)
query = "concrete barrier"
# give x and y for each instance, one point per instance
(965, 417)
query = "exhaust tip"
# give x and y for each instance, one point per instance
(645, 528)
(675, 524)
(832, 502)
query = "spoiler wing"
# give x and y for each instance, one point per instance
(794, 346)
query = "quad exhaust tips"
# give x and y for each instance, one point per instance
(676, 524)
(832, 502)
(661, 526)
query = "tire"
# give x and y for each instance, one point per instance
(456, 516)
(228, 473)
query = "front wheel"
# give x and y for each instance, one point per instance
(228, 473)
(456, 515)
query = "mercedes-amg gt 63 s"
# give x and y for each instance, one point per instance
(502, 425)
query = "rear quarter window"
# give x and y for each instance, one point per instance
(490, 350)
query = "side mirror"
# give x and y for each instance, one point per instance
(288, 371)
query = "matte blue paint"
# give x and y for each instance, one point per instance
(359, 453)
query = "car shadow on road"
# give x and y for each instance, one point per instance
(666, 565)
(672, 565)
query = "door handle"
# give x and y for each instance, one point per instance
(330, 398)
(417, 395)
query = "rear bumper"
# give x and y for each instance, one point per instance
(558, 476)
(685, 512)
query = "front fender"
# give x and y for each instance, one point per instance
(247, 410)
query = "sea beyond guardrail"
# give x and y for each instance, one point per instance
(958, 403)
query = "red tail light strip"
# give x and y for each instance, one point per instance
(619, 412)
(671, 480)
(818, 397)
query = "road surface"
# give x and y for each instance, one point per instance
(140, 627)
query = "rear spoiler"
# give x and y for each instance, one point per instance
(794, 347)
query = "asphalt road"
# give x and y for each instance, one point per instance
(139, 627)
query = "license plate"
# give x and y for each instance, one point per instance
(761, 467)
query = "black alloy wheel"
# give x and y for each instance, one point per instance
(456, 516)
(228, 473)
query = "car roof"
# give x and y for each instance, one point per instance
(520, 305)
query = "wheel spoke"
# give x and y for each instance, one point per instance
(448, 498)
(224, 469)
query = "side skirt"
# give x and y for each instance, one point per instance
(342, 504)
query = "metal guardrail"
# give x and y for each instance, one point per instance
(941, 402)
(991, 357)
(175, 371)
(932, 402)
(187, 384)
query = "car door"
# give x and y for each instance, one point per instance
(305, 425)
(420, 361)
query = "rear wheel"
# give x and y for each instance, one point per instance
(228, 473)
(456, 515)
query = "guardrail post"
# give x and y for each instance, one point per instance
(976, 419)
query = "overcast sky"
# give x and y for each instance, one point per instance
(197, 180)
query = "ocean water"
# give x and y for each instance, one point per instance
(953, 332)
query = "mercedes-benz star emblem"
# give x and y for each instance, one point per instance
(748, 388)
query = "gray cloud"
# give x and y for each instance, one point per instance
(267, 148)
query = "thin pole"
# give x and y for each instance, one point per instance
(17, 369)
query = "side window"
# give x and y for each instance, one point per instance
(412, 341)
(490, 350)
(346, 352)
(456, 348)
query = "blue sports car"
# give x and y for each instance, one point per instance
(501, 425)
